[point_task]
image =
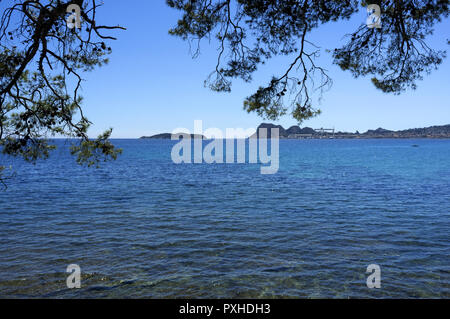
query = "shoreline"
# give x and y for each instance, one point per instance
(297, 133)
(308, 138)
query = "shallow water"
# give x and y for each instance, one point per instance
(144, 227)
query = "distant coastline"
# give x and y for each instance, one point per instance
(295, 132)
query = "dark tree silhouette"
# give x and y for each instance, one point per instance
(42, 62)
(249, 32)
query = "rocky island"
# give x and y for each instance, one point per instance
(168, 136)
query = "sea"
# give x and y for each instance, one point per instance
(145, 227)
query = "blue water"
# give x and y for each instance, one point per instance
(144, 227)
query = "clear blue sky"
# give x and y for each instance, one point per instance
(152, 84)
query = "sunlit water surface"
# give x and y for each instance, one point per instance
(143, 226)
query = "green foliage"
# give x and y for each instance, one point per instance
(249, 32)
(92, 152)
(41, 66)
(396, 55)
